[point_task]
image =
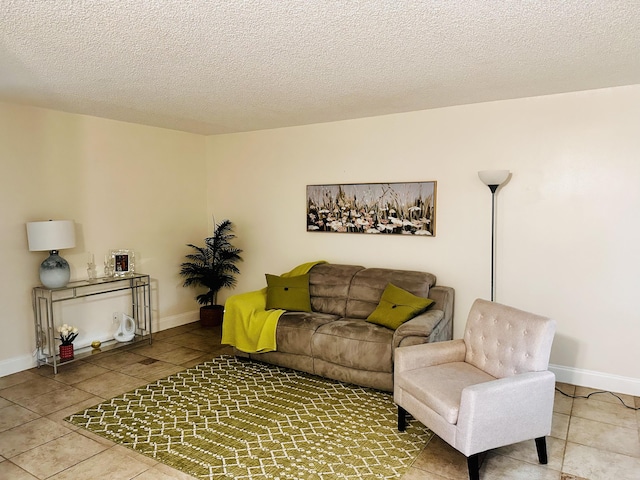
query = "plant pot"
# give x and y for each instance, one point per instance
(211, 315)
(66, 352)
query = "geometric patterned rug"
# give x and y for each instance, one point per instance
(240, 419)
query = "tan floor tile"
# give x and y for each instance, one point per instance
(31, 388)
(4, 402)
(560, 426)
(151, 370)
(594, 464)
(172, 332)
(156, 347)
(10, 471)
(499, 467)
(612, 413)
(55, 400)
(15, 415)
(197, 342)
(110, 384)
(16, 378)
(57, 455)
(605, 436)
(562, 403)
(108, 464)
(60, 415)
(214, 332)
(609, 397)
(76, 372)
(566, 387)
(417, 474)
(148, 367)
(29, 435)
(177, 356)
(127, 452)
(170, 472)
(526, 451)
(207, 357)
(115, 360)
(440, 458)
(96, 438)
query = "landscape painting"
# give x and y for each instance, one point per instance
(373, 208)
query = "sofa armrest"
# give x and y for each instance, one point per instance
(428, 354)
(505, 411)
(420, 326)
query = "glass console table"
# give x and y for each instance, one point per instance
(46, 328)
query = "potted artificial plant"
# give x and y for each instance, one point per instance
(213, 267)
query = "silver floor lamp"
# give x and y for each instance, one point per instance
(493, 179)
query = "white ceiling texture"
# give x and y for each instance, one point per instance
(226, 66)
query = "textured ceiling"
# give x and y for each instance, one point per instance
(237, 65)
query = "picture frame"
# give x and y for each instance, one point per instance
(122, 262)
(407, 208)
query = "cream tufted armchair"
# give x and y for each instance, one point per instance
(489, 389)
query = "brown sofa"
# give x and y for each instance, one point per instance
(336, 341)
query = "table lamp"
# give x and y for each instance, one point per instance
(52, 235)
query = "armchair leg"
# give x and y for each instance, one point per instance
(541, 446)
(402, 419)
(473, 465)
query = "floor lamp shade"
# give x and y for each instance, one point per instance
(51, 236)
(493, 177)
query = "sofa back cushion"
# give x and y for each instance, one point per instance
(329, 287)
(368, 284)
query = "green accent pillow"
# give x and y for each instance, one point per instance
(397, 306)
(288, 293)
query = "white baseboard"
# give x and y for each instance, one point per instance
(178, 320)
(17, 364)
(25, 362)
(597, 380)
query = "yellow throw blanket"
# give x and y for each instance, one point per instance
(247, 325)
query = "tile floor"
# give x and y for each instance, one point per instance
(594, 439)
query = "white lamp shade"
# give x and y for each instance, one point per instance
(493, 177)
(51, 235)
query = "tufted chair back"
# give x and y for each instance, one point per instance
(503, 341)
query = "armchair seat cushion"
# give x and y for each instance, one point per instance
(440, 386)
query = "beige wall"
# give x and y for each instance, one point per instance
(124, 185)
(567, 221)
(567, 230)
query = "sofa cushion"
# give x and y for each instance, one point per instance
(295, 330)
(288, 293)
(396, 306)
(354, 343)
(329, 287)
(368, 284)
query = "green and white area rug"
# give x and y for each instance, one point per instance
(232, 418)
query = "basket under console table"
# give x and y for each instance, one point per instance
(45, 326)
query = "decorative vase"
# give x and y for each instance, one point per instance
(66, 352)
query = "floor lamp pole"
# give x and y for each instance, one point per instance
(493, 179)
(493, 236)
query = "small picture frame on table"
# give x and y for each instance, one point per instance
(123, 262)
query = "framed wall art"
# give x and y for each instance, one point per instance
(373, 208)
(123, 262)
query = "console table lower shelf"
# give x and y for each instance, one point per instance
(88, 351)
(47, 353)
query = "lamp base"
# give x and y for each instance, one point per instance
(54, 271)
